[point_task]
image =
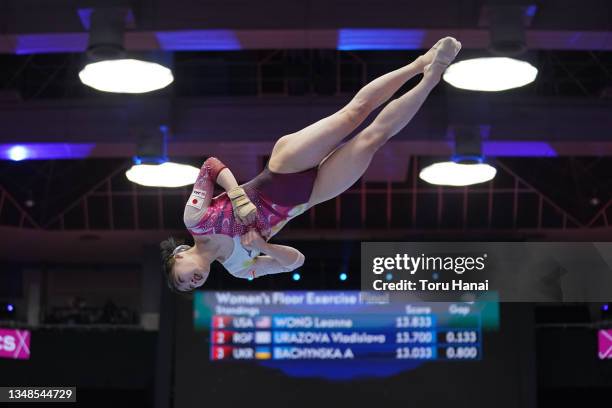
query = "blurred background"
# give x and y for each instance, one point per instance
(79, 259)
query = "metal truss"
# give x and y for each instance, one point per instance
(585, 74)
(603, 216)
(12, 214)
(507, 203)
(562, 73)
(282, 72)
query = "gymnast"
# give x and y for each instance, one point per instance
(305, 168)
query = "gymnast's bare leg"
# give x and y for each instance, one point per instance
(308, 147)
(341, 166)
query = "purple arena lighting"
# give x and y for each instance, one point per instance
(380, 39)
(18, 153)
(518, 149)
(45, 151)
(26, 44)
(198, 40)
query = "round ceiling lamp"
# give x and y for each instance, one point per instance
(466, 167)
(126, 76)
(503, 70)
(151, 166)
(166, 174)
(456, 174)
(109, 69)
(491, 74)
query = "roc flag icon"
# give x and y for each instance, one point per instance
(605, 344)
(262, 353)
(263, 322)
(263, 337)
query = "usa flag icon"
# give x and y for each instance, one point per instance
(605, 344)
(263, 322)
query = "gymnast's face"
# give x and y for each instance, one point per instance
(190, 270)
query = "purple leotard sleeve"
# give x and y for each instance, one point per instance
(201, 195)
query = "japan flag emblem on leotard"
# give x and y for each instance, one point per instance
(195, 201)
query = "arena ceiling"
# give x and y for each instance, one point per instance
(248, 72)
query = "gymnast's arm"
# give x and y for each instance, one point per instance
(212, 171)
(267, 265)
(278, 258)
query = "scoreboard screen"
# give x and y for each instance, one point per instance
(604, 344)
(339, 325)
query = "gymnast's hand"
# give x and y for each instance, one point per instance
(245, 211)
(252, 240)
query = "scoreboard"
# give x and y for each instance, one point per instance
(348, 325)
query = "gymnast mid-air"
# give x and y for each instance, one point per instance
(305, 168)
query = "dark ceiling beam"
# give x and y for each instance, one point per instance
(264, 119)
(30, 16)
(29, 245)
(246, 39)
(179, 25)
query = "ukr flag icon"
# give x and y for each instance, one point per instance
(262, 353)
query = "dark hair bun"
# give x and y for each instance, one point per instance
(167, 247)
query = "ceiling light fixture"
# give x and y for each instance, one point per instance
(457, 173)
(164, 174)
(466, 167)
(492, 74)
(109, 69)
(152, 168)
(501, 71)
